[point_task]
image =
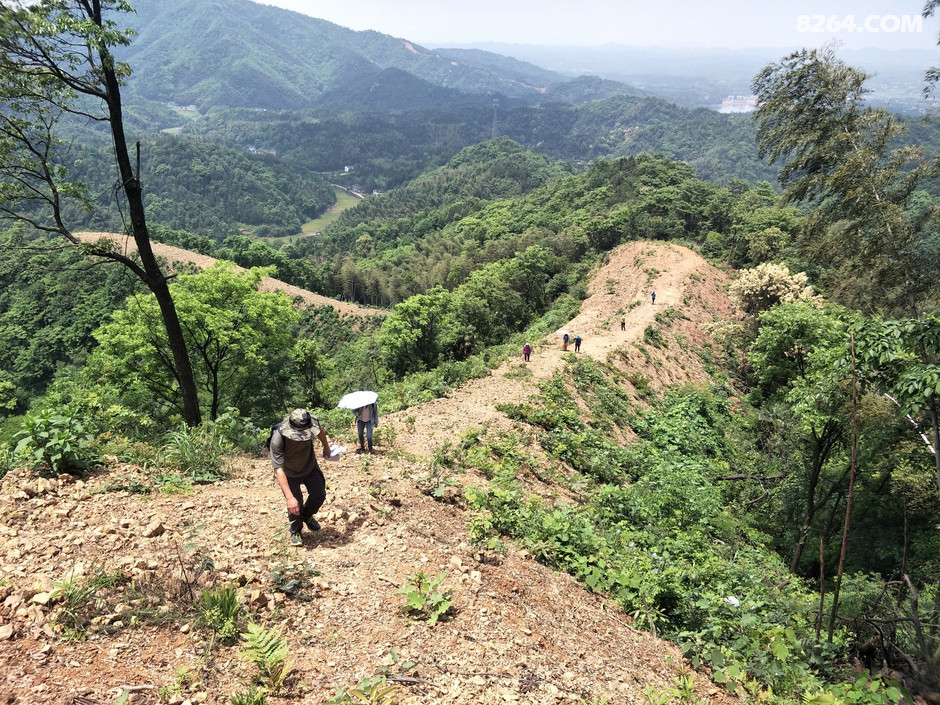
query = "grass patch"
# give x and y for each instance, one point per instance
(344, 201)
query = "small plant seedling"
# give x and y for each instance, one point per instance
(253, 696)
(293, 579)
(401, 665)
(426, 597)
(684, 689)
(376, 489)
(370, 691)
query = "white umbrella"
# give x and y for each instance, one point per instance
(561, 331)
(357, 400)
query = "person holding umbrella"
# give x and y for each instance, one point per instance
(367, 418)
(365, 408)
(295, 468)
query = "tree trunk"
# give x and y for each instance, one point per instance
(848, 499)
(823, 443)
(155, 279)
(935, 425)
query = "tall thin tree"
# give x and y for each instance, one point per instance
(56, 59)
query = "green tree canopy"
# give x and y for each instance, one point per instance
(56, 58)
(238, 337)
(841, 156)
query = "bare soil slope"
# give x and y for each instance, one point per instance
(519, 633)
(176, 255)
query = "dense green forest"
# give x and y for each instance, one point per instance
(724, 526)
(387, 150)
(237, 191)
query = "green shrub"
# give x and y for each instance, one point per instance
(439, 482)
(56, 440)
(198, 453)
(219, 610)
(7, 460)
(425, 596)
(240, 431)
(653, 336)
(173, 483)
(141, 453)
(864, 690)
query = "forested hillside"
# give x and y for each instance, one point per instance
(198, 186)
(387, 150)
(238, 53)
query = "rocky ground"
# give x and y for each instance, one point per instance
(517, 631)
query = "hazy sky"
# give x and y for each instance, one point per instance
(883, 24)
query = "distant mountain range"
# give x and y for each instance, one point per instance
(379, 110)
(326, 97)
(237, 53)
(703, 77)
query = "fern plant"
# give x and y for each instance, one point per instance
(267, 650)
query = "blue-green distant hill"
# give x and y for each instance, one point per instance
(238, 53)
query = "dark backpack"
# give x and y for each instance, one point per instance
(267, 443)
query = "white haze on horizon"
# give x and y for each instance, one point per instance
(730, 24)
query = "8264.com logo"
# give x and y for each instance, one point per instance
(868, 23)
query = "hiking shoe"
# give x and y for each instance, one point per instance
(296, 539)
(312, 524)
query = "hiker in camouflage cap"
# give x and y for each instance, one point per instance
(295, 467)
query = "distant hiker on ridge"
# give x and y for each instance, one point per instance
(295, 466)
(526, 352)
(653, 294)
(564, 342)
(623, 323)
(577, 343)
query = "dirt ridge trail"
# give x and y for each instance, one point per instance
(519, 632)
(177, 254)
(621, 286)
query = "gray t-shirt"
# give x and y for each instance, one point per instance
(296, 457)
